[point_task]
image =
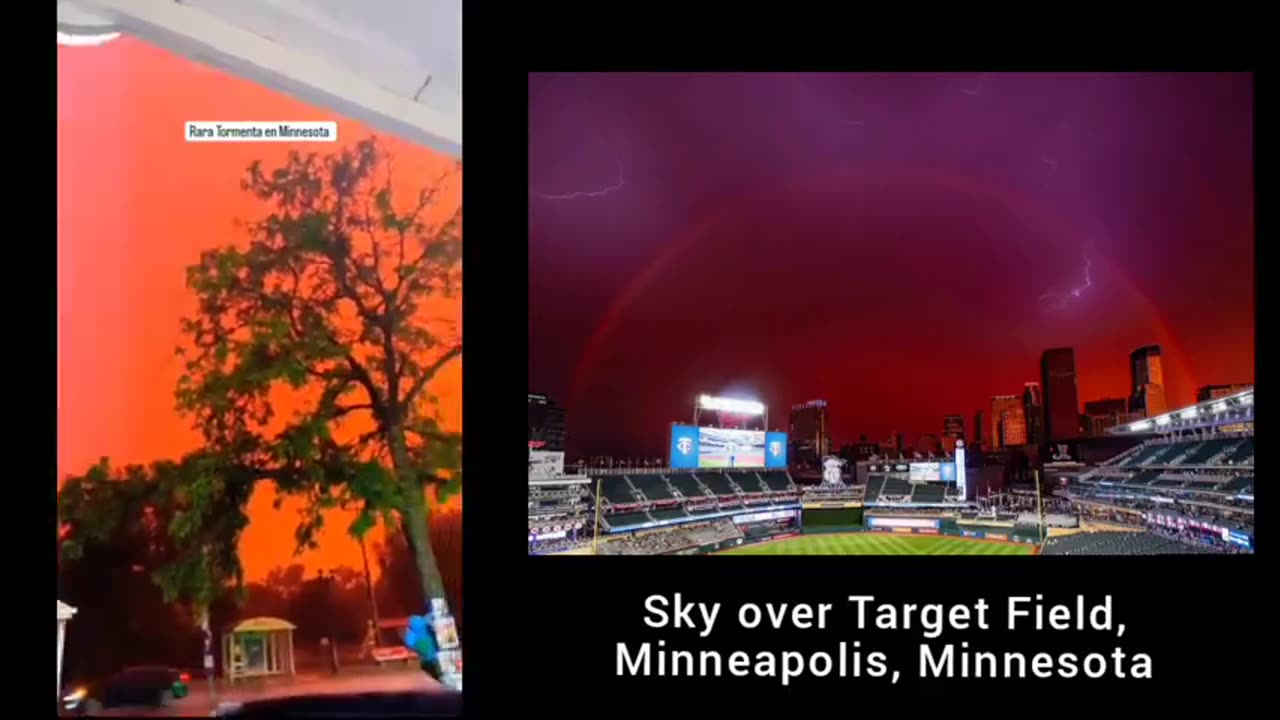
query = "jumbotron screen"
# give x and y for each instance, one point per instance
(705, 447)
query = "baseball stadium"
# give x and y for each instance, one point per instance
(1182, 485)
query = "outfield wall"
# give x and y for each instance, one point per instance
(831, 520)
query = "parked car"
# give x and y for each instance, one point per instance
(137, 686)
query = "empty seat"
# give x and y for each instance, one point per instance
(617, 490)
(625, 520)
(674, 513)
(687, 484)
(748, 481)
(717, 483)
(653, 485)
(777, 481)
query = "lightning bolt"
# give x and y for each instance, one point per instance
(1062, 300)
(602, 192)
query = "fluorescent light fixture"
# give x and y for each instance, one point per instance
(86, 40)
(733, 405)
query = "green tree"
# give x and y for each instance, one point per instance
(133, 577)
(327, 310)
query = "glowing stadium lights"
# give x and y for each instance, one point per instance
(1188, 413)
(1220, 407)
(1140, 426)
(732, 405)
(1163, 420)
(1246, 399)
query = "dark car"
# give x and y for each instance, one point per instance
(137, 686)
(349, 705)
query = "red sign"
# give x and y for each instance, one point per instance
(391, 654)
(537, 443)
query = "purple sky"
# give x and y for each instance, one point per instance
(901, 245)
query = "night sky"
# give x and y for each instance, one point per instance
(901, 245)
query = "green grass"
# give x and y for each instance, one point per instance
(869, 543)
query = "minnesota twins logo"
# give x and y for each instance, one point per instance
(775, 448)
(684, 445)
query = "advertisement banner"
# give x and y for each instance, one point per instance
(545, 464)
(925, 472)
(897, 522)
(948, 472)
(775, 446)
(684, 446)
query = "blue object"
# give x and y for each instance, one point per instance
(420, 638)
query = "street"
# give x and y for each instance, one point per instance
(353, 680)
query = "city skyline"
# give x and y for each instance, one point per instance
(1021, 426)
(904, 267)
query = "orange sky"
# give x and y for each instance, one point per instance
(136, 204)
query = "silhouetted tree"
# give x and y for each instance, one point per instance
(113, 538)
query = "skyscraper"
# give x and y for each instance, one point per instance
(953, 426)
(1033, 407)
(1061, 404)
(1147, 372)
(929, 444)
(1099, 415)
(1008, 422)
(809, 432)
(546, 423)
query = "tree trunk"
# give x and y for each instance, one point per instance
(415, 522)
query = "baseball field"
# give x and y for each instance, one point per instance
(869, 543)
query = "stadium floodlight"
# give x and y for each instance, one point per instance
(1163, 420)
(732, 405)
(1247, 399)
(1188, 413)
(1220, 407)
(1140, 426)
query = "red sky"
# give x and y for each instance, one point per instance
(136, 205)
(902, 245)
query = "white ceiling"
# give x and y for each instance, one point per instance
(367, 60)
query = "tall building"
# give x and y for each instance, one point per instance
(809, 432)
(929, 444)
(1033, 409)
(1008, 422)
(1106, 406)
(1147, 374)
(1061, 402)
(1099, 415)
(1213, 392)
(953, 426)
(978, 424)
(546, 423)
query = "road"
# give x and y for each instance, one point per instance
(200, 704)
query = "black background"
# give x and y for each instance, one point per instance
(541, 633)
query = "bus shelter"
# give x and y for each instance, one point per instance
(258, 647)
(65, 613)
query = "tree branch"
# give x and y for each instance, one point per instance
(428, 373)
